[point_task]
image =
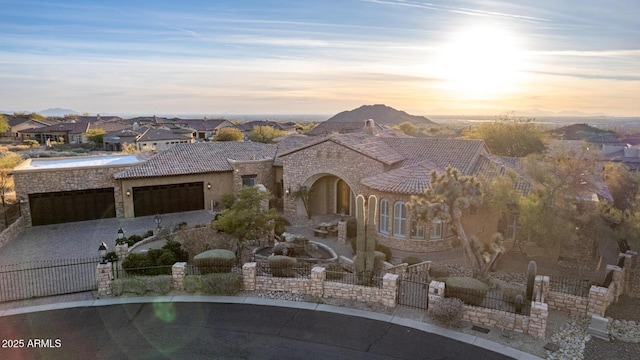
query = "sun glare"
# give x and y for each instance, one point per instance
(480, 62)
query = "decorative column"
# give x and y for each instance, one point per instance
(249, 276)
(389, 290)
(318, 276)
(342, 232)
(538, 320)
(178, 272)
(122, 251)
(436, 292)
(104, 275)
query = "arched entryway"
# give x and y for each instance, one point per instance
(329, 194)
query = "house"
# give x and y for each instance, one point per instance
(203, 129)
(18, 124)
(285, 128)
(163, 138)
(66, 133)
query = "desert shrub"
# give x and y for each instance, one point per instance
(155, 261)
(117, 287)
(411, 260)
(201, 239)
(130, 240)
(111, 256)
(191, 283)
(438, 271)
(159, 285)
(180, 226)
(221, 283)
(31, 143)
(385, 250)
(334, 271)
(149, 233)
(447, 311)
(79, 150)
(471, 291)
(228, 200)
(136, 285)
(510, 294)
(282, 266)
(215, 261)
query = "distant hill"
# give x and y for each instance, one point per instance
(57, 112)
(382, 114)
(584, 132)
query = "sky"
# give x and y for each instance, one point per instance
(321, 57)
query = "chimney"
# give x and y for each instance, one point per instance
(369, 126)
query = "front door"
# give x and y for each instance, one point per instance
(343, 198)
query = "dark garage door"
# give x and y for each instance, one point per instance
(163, 199)
(68, 206)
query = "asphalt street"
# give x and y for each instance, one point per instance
(167, 330)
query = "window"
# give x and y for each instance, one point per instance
(512, 226)
(399, 220)
(249, 180)
(417, 230)
(384, 216)
(436, 230)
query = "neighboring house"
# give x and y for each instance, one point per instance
(627, 155)
(285, 128)
(162, 139)
(19, 124)
(67, 133)
(203, 129)
(114, 140)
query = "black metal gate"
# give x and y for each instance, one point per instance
(413, 292)
(47, 278)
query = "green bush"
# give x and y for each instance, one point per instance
(215, 261)
(385, 250)
(159, 285)
(148, 234)
(282, 266)
(111, 256)
(471, 291)
(155, 261)
(192, 283)
(136, 285)
(221, 283)
(31, 143)
(411, 260)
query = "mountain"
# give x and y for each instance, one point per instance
(57, 112)
(381, 114)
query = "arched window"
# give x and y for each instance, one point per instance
(399, 219)
(384, 216)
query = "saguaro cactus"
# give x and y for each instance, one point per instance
(532, 269)
(365, 241)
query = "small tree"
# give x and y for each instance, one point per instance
(8, 161)
(302, 194)
(450, 193)
(96, 137)
(4, 124)
(228, 134)
(246, 219)
(510, 137)
(264, 134)
(408, 128)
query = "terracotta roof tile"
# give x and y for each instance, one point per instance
(412, 179)
(198, 158)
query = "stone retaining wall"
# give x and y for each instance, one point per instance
(10, 233)
(534, 324)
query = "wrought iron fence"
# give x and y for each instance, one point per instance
(345, 277)
(122, 273)
(492, 299)
(47, 278)
(300, 270)
(570, 286)
(194, 269)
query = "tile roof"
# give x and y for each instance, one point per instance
(72, 128)
(160, 134)
(199, 158)
(248, 126)
(412, 179)
(290, 142)
(460, 154)
(109, 126)
(489, 167)
(326, 128)
(203, 124)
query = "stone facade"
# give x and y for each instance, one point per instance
(12, 231)
(263, 170)
(178, 272)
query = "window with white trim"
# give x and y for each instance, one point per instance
(417, 230)
(384, 216)
(399, 219)
(436, 230)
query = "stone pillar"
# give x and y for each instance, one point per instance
(104, 275)
(122, 251)
(617, 280)
(249, 276)
(598, 300)
(538, 320)
(389, 290)
(436, 291)
(178, 272)
(629, 258)
(342, 232)
(318, 276)
(540, 288)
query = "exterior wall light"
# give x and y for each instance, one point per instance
(102, 250)
(120, 234)
(288, 191)
(128, 193)
(208, 186)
